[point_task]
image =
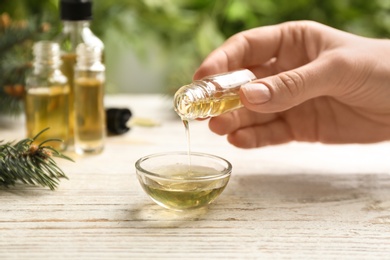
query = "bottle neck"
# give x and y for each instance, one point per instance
(46, 57)
(89, 57)
(188, 95)
(72, 26)
(76, 32)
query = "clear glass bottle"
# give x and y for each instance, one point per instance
(90, 124)
(211, 96)
(76, 16)
(47, 96)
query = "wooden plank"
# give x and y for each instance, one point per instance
(288, 201)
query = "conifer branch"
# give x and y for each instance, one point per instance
(29, 163)
(16, 41)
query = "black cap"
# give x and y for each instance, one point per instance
(76, 10)
(117, 120)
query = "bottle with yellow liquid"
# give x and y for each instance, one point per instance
(211, 96)
(47, 96)
(90, 124)
(76, 16)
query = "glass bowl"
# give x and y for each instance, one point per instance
(179, 181)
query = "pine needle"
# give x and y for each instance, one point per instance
(31, 164)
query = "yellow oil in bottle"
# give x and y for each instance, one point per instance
(67, 68)
(211, 96)
(48, 107)
(185, 189)
(90, 114)
(210, 107)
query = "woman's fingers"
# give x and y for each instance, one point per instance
(291, 43)
(247, 129)
(241, 118)
(271, 133)
(288, 89)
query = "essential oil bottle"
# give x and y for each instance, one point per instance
(89, 80)
(47, 96)
(76, 17)
(211, 96)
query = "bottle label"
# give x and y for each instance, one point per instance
(232, 79)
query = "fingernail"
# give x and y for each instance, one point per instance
(256, 93)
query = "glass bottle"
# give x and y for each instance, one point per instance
(47, 96)
(88, 94)
(76, 16)
(212, 95)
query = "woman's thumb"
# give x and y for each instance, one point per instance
(286, 89)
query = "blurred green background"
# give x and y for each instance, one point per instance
(155, 45)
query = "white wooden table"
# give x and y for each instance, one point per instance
(290, 201)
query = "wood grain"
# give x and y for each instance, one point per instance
(293, 201)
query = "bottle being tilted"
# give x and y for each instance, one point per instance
(76, 16)
(212, 95)
(89, 79)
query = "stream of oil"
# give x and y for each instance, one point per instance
(187, 130)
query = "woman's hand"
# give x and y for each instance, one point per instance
(315, 83)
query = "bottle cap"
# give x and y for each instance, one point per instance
(76, 10)
(117, 120)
